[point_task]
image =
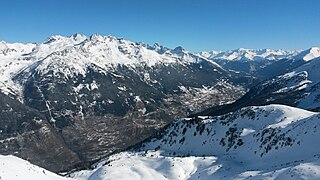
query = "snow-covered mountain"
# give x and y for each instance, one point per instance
(271, 142)
(13, 168)
(262, 63)
(15, 57)
(73, 54)
(298, 88)
(308, 54)
(243, 54)
(126, 90)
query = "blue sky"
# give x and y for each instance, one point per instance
(194, 24)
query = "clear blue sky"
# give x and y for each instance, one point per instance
(194, 24)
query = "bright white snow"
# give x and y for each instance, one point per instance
(243, 54)
(13, 168)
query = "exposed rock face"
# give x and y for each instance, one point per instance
(26, 133)
(101, 112)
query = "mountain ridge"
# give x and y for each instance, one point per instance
(243, 54)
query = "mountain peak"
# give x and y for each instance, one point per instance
(243, 49)
(314, 50)
(3, 45)
(158, 48)
(178, 50)
(309, 54)
(53, 39)
(96, 37)
(78, 36)
(58, 38)
(156, 45)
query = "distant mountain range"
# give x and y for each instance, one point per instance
(299, 88)
(262, 63)
(242, 54)
(109, 105)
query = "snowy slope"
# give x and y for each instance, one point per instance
(151, 165)
(13, 168)
(14, 57)
(104, 52)
(311, 85)
(253, 143)
(308, 54)
(300, 87)
(11, 62)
